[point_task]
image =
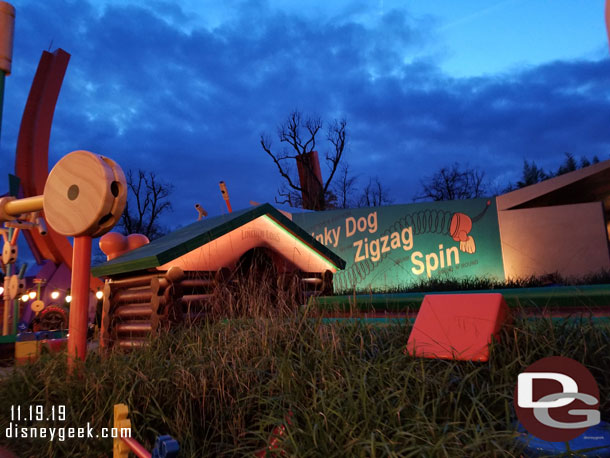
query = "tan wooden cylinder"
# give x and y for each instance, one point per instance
(26, 205)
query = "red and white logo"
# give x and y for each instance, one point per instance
(557, 399)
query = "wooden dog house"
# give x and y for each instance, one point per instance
(146, 286)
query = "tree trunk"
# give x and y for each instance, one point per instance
(310, 176)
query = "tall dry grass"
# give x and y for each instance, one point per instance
(220, 386)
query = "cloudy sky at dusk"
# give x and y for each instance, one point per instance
(185, 89)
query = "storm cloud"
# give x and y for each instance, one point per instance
(153, 89)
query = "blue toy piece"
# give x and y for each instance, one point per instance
(594, 442)
(43, 335)
(165, 447)
(25, 337)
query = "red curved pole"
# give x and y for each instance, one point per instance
(32, 157)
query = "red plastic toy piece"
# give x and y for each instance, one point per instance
(457, 326)
(276, 437)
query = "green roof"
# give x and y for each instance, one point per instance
(191, 237)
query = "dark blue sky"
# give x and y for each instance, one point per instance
(185, 91)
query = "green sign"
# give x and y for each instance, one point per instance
(395, 246)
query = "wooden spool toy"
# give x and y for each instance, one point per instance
(85, 194)
(84, 197)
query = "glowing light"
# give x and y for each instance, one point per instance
(32, 294)
(328, 262)
(25, 297)
(68, 298)
(54, 294)
(1, 289)
(99, 294)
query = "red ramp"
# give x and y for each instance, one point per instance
(457, 326)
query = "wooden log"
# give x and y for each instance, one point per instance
(196, 297)
(196, 282)
(133, 326)
(133, 310)
(140, 280)
(105, 324)
(171, 297)
(132, 295)
(132, 343)
(155, 304)
(155, 285)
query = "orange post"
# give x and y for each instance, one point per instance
(79, 308)
(225, 195)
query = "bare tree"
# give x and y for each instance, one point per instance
(344, 187)
(374, 194)
(146, 201)
(453, 183)
(300, 136)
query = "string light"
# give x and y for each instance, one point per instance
(55, 294)
(99, 294)
(68, 297)
(25, 298)
(1, 289)
(32, 294)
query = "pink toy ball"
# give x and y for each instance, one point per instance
(136, 241)
(114, 244)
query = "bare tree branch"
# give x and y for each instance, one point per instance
(266, 144)
(336, 135)
(374, 194)
(150, 198)
(453, 183)
(344, 187)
